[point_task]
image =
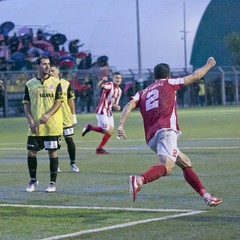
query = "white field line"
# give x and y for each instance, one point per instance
(142, 147)
(121, 225)
(133, 140)
(98, 208)
(130, 148)
(183, 213)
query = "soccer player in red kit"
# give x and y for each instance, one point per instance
(157, 104)
(111, 94)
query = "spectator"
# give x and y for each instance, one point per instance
(76, 87)
(73, 47)
(102, 63)
(4, 50)
(3, 64)
(194, 89)
(85, 62)
(62, 52)
(201, 93)
(14, 44)
(86, 96)
(40, 35)
(180, 97)
(2, 98)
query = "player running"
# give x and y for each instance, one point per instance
(157, 104)
(111, 94)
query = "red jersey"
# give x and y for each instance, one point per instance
(157, 104)
(110, 95)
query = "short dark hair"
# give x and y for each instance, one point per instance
(38, 60)
(117, 73)
(161, 71)
(54, 65)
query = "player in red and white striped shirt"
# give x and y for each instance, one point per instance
(111, 94)
(157, 104)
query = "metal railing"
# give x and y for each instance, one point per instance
(221, 87)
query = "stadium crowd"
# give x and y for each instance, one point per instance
(19, 52)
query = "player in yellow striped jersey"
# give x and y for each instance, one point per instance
(69, 116)
(42, 105)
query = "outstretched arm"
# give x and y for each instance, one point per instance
(125, 113)
(200, 72)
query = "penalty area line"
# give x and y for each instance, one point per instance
(123, 225)
(180, 213)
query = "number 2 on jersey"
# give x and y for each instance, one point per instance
(152, 100)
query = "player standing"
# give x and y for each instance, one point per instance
(42, 102)
(111, 94)
(69, 117)
(157, 104)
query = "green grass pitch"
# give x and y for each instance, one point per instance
(94, 203)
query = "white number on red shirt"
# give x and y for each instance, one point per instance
(152, 99)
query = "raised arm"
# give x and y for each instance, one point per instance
(102, 82)
(200, 72)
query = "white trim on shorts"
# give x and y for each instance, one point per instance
(68, 131)
(50, 145)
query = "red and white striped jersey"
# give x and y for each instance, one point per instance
(157, 104)
(111, 94)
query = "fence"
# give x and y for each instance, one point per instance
(221, 86)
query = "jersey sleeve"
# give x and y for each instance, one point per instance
(108, 85)
(177, 83)
(26, 98)
(136, 98)
(70, 93)
(59, 94)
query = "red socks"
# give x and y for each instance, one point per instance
(153, 173)
(193, 180)
(105, 137)
(96, 129)
(104, 140)
(190, 176)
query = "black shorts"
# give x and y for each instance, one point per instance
(35, 143)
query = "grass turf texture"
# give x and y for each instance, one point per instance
(211, 138)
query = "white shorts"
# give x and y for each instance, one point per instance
(164, 143)
(105, 121)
